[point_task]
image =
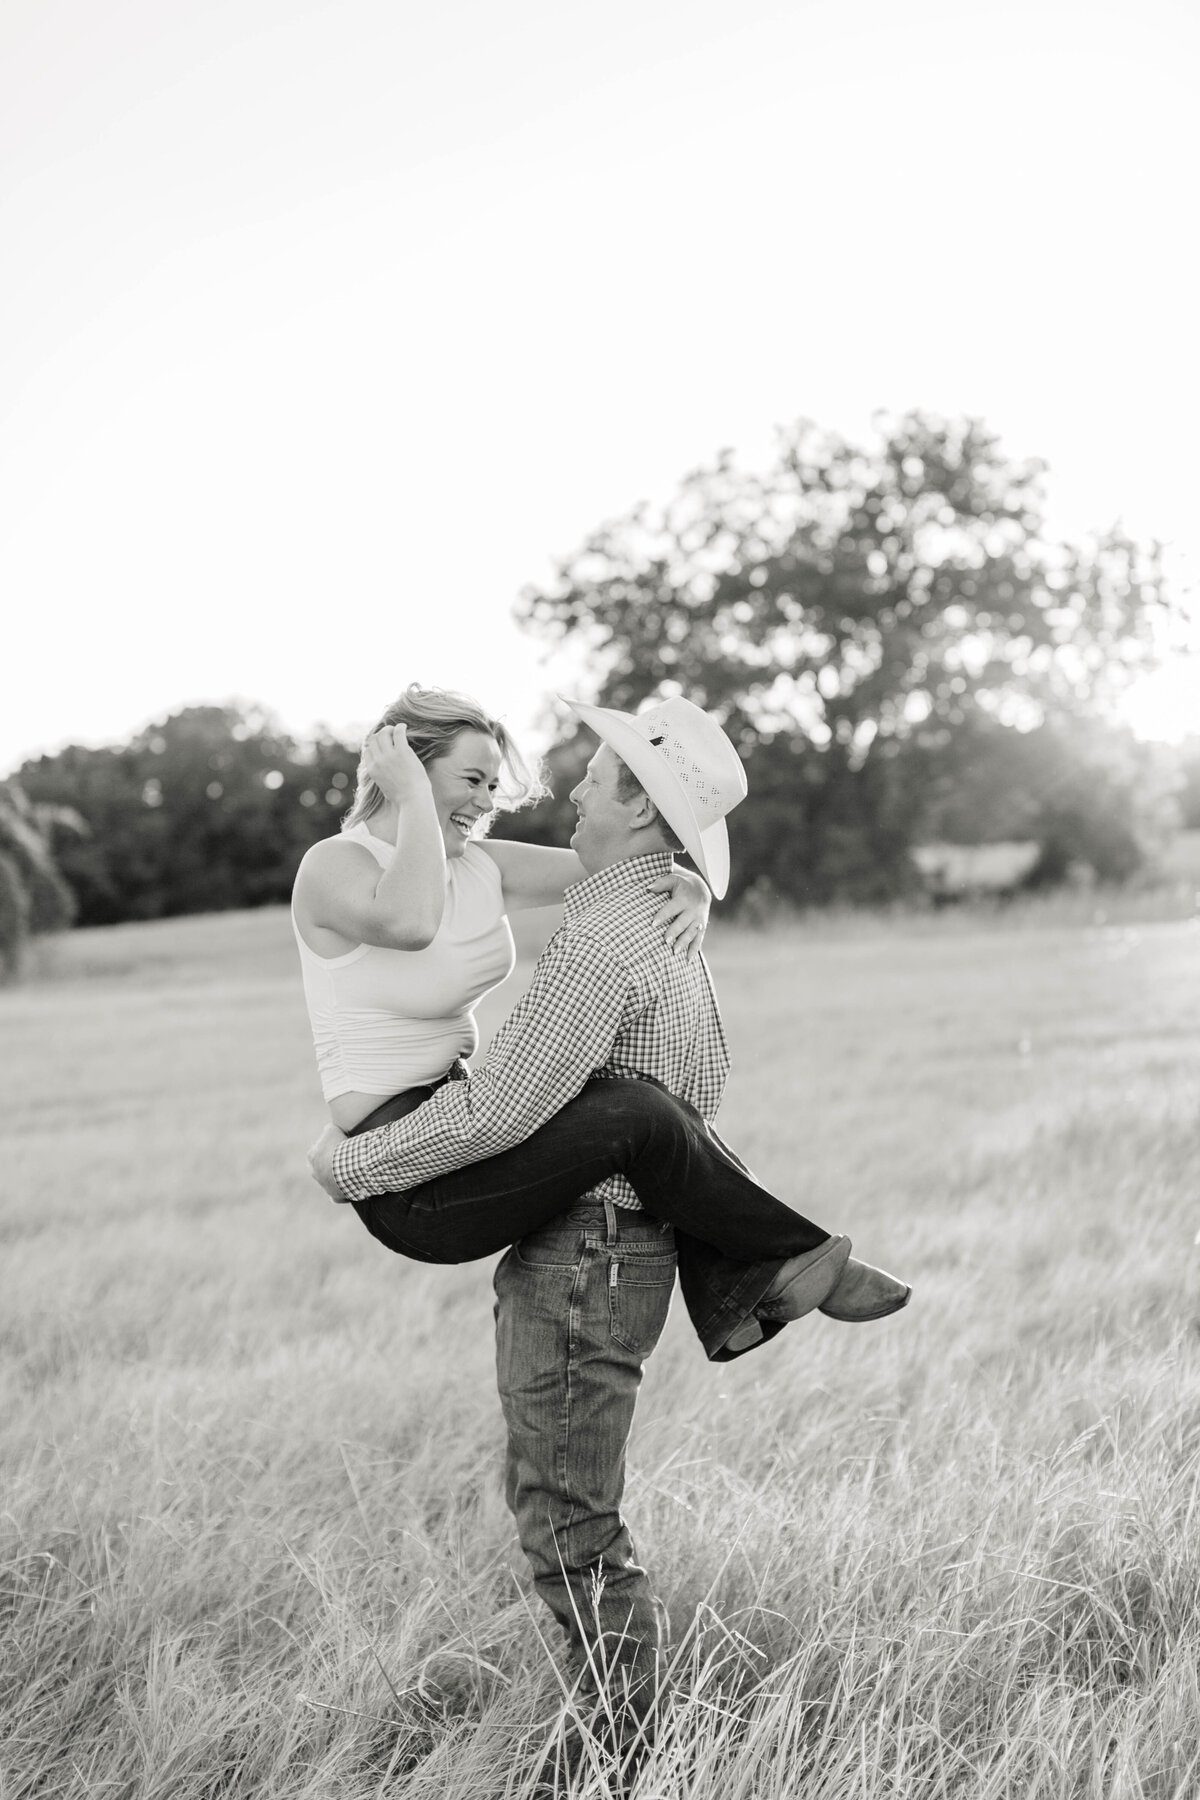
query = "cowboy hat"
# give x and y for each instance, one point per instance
(687, 766)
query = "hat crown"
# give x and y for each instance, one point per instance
(698, 754)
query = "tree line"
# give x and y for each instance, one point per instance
(898, 646)
(210, 809)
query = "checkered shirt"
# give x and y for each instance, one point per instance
(608, 998)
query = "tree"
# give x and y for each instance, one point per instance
(34, 898)
(211, 808)
(843, 606)
(1088, 794)
(1187, 761)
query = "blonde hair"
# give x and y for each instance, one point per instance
(435, 718)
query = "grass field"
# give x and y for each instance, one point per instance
(253, 1541)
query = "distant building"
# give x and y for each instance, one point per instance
(957, 871)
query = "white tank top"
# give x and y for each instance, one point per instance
(385, 1020)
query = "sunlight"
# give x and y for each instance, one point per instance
(1165, 707)
(270, 368)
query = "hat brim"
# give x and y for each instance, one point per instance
(708, 848)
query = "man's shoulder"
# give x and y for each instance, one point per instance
(617, 937)
(621, 924)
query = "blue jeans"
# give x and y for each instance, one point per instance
(580, 1304)
(732, 1234)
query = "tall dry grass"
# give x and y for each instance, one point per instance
(253, 1542)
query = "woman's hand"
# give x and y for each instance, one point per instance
(684, 916)
(390, 762)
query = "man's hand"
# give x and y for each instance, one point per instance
(320, 1161)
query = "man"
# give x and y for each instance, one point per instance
(582, 1300)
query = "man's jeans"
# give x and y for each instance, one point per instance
(731, 1234)
(579, 1306)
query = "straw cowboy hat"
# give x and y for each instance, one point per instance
(687, 766)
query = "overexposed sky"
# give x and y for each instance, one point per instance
(325, 324)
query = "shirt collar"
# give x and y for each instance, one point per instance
(618, 878)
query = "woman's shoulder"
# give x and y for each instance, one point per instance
(334, 858)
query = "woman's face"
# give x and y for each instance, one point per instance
(464, 783)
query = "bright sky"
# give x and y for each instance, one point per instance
(325, 324)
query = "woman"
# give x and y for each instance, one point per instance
(401, 929)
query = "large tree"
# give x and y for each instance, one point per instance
(845, 604)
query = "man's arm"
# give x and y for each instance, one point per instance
(560, 1033)
(710, 1065)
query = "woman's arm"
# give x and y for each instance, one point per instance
(534, 874)
(341, 888)
(537, 875)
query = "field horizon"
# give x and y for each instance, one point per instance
(253, 1539)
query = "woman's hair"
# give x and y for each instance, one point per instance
(435, 717)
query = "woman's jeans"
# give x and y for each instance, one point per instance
(731, 1234)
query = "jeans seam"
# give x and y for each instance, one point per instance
(573, 1310)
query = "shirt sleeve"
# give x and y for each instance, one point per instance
(710, 1068)
(559, 1034)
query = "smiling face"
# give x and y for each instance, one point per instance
(464, 784)
(608, 828)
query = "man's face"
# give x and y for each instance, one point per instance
(603, 834)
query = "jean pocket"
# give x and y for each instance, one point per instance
(550, 1248)
(639, 1293)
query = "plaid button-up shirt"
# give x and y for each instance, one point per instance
(608, 998)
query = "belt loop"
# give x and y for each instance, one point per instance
(610, 1219)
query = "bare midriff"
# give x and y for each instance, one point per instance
(349, 1110)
